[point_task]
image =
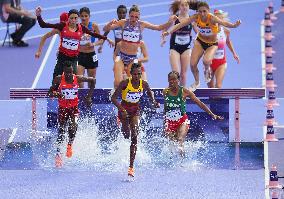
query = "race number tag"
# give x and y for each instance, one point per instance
(131, 36)
(219, 54)
(173, 115)
(133, 97)
(69, 93)
(95, 58)
(85, 39)
(70, 44)
(182, 39)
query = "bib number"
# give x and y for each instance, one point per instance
(85, 40)
(173, 115)
(131, 36)
(219, 54)
(133, 97)
(69, 93)
(182, 39)
(95, 58)
(70, 44)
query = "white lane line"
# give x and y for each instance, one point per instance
(74, 5)
(42, 66)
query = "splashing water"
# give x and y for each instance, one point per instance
(89, 150)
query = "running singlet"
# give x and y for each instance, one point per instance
(181, 36)
(69, 93)
(131, 94)
(70, 41)
(85, 39)
(221, 37)
(206, 28)
(175, 106)
(130, 33)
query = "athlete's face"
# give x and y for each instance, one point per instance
(136, 74)
(121, 13)
(73, 19)
(203, 11)
(173, 80)
(68, 71)
(85, 17)
(184, 7)
(134, 17)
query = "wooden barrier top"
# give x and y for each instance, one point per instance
(243, 93)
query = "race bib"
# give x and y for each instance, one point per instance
(69, 93)
(173, 115)
(131, 36)
(70, 44)
(182, 39)
(133, 97)
(85, 39)
(118, 34)
(205, 31)
(220, 53)
(95, 58)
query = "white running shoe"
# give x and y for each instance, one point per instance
(111, 93)
(208, 74)
(194, 86)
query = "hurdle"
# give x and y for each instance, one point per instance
(101, 96)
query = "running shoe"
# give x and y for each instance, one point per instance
(58, 160)
(69, 151)
(194, 86)
(131, 172)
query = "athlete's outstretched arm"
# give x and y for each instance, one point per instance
(43, 24)
(43, 39)
(114, 24)
(150, 94)
(52, 92)
(180, 25)
(160, 27)
(230, 45)
(192, 96)
(92, 82)
(92, 33)
(225, 23)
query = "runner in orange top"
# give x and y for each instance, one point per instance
(206, 42)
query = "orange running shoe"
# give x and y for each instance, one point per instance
(131, 172)
(58, 160)
(69, 151)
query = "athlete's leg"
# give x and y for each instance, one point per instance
(134, 122)
(220, 74)
(196, 54)
(81, 71)
(118, 72)
(175, 60)
(207, 60)
(184, 60)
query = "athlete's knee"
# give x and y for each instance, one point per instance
(207, 61)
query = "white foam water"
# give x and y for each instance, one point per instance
(88, 151)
